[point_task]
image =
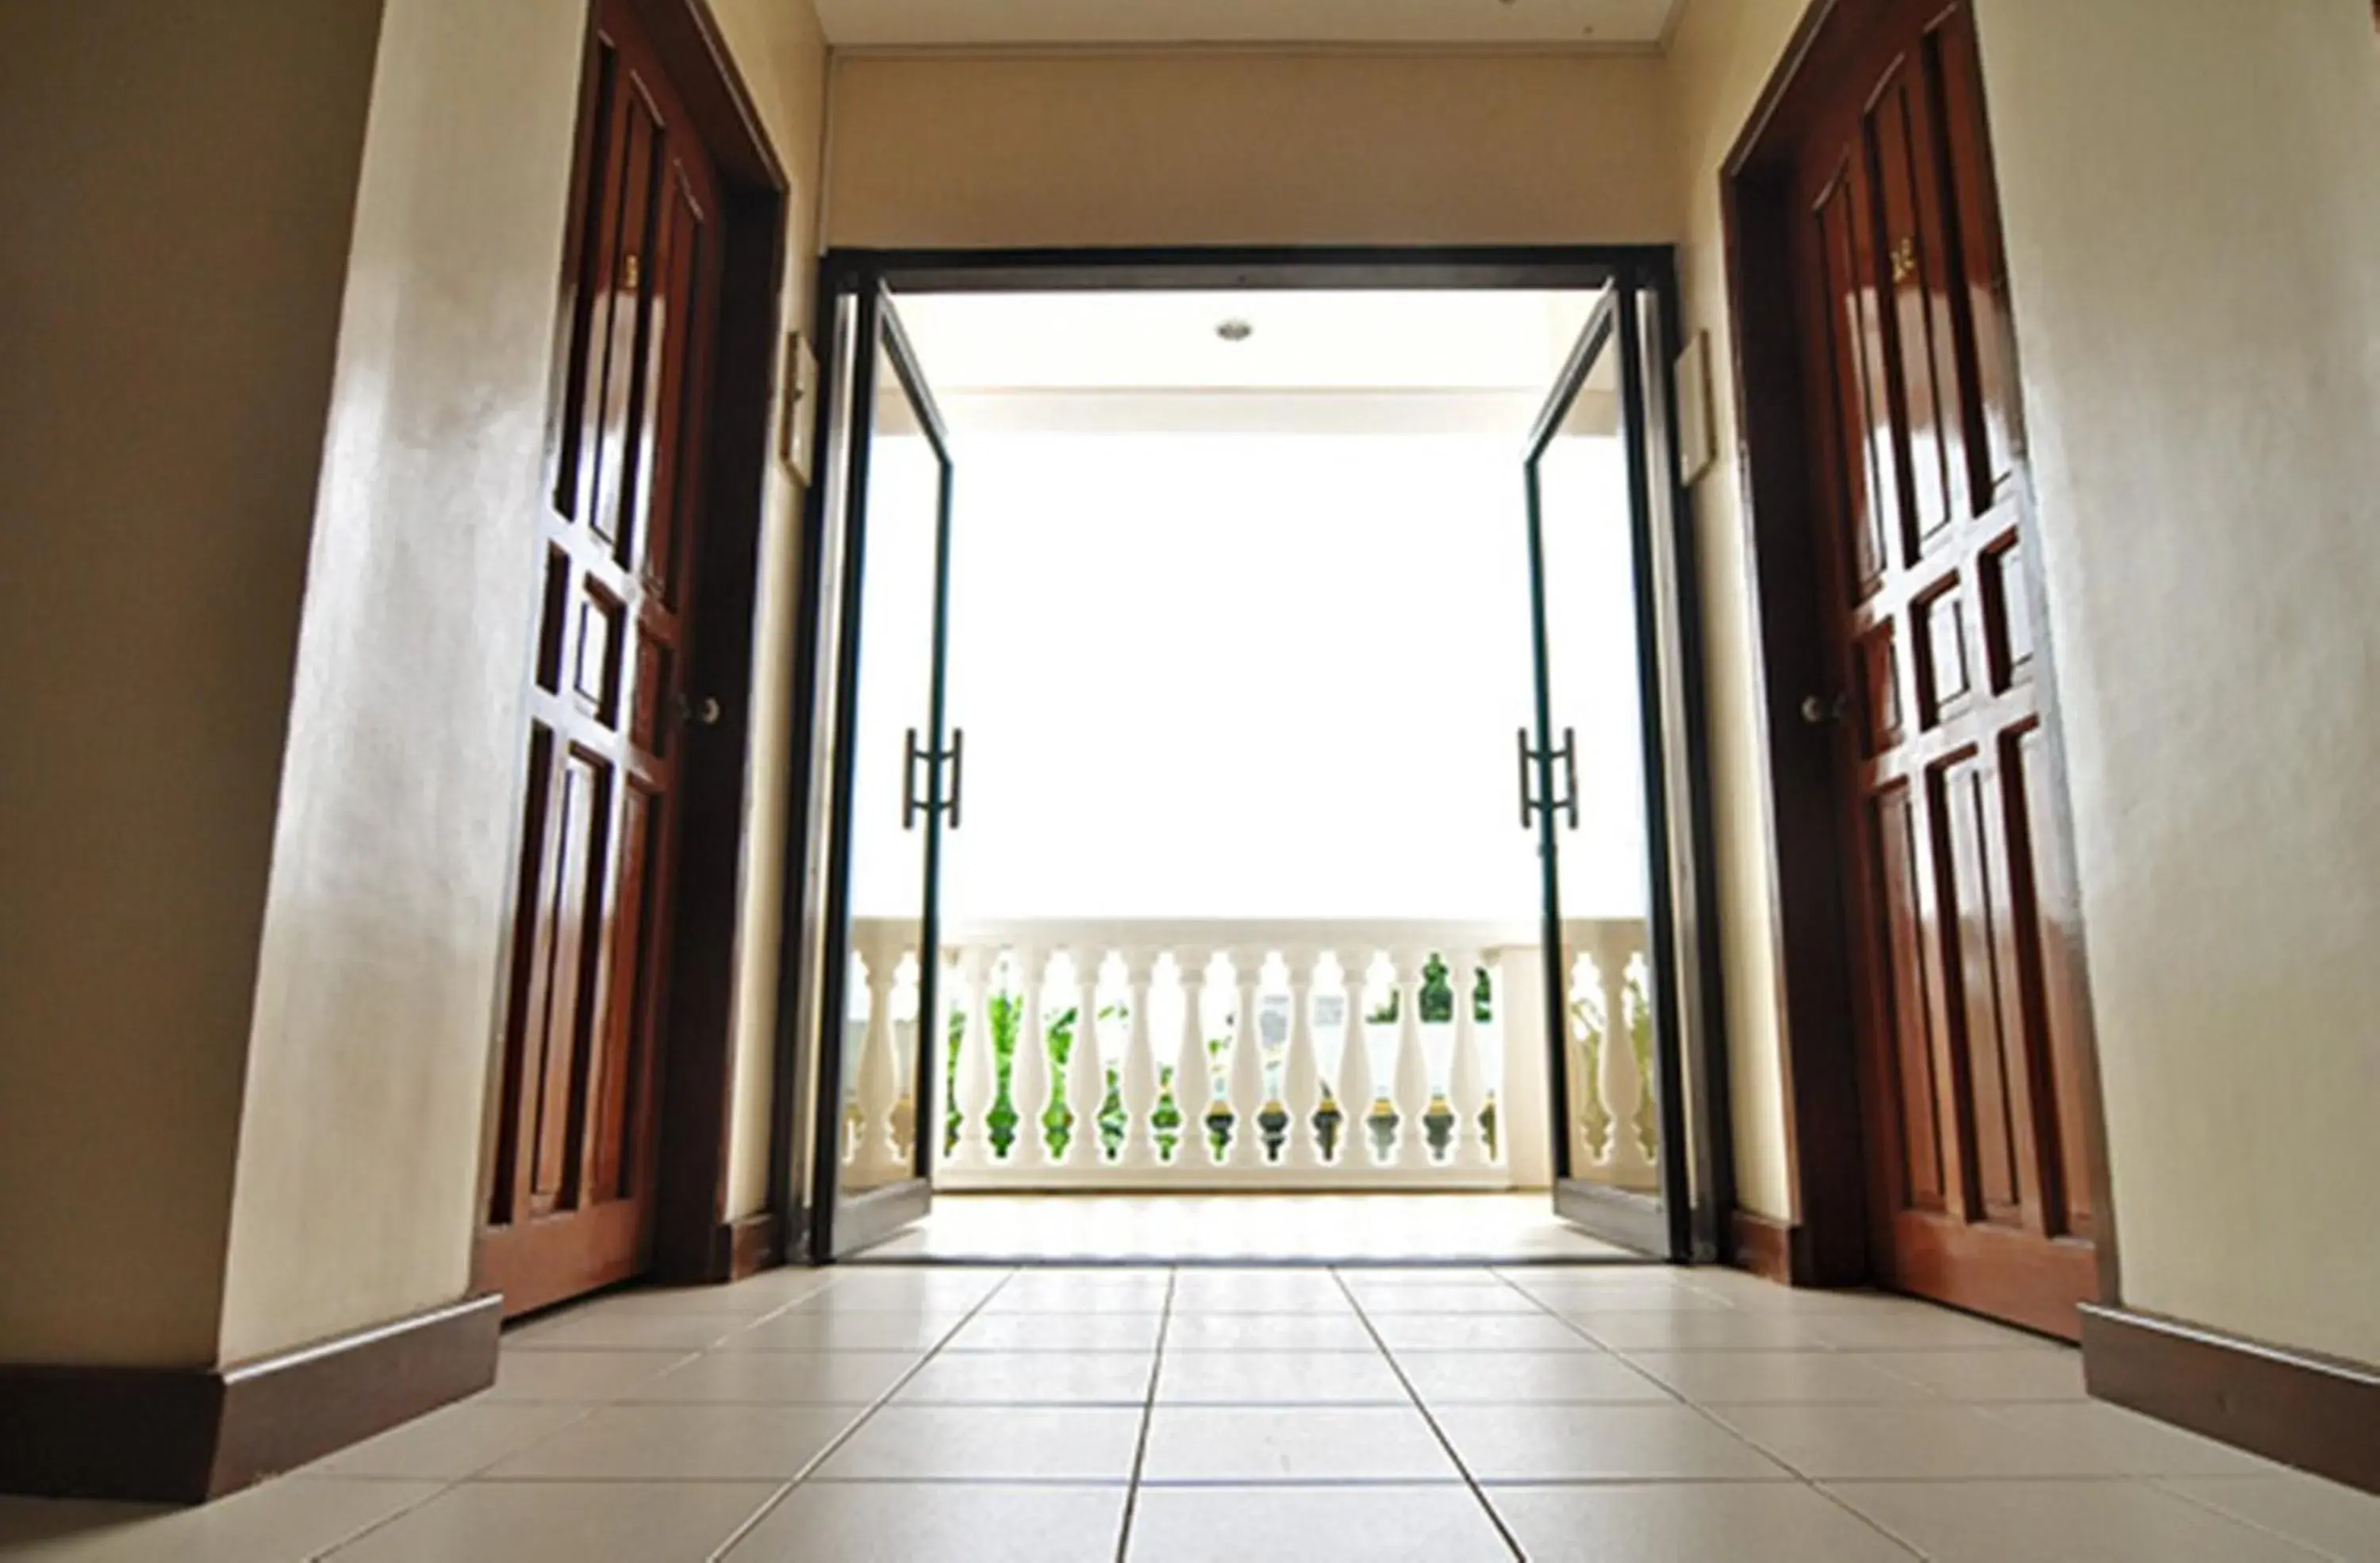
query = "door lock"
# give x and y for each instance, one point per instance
(704, 712)
(1820, 712)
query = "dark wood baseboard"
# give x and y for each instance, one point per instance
(1773, 1250)
(2318, 1413)
(746, 1246)
(188, 1434)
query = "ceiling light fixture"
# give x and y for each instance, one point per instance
(1235, 330)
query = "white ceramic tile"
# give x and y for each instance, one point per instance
(1777, 1378)
(937, 1522)
(590, 1377)
(1689, 1522)
(989, 1444)
(1915, 1328)
(1726, 1330)
(2071, 1522)
(1478, 1332)
(452, 1443)
(1293, 1444)
(914, 1288)
(1268, 1332)
(1258, 1291)
(1443, 1525)
(284, 1521)
(1924, 1441)
(2094, 1437)
(2050, 1374)
(1027, 1378)
(1248, 1378)
(566, 1522)
(872, 1331)
(714, 1443)
(1453, 1379)
(1083, 1291)
(793, 1378)
(596, 1328)
(1487, 1297)
(1360, 1279)
(722, 1301)
(1058, 1332)
(1564, 1443)
(2336, 1522)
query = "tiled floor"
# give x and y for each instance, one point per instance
(1590, 1414)
(1322, 1229)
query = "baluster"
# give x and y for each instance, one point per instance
(1028, 1067)
(1466, 1088)
(1620, 1081)
(1578, 1112)
(977, 1080)
(1301, 1077)
(1087, 1075)
(1247, 1092)
(1412, 1075)
(878, 1083)
(1194, 1078)
(1354, 1086)
(1139, 1148)
(909, 974)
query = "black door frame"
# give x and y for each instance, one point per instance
(1689, 994)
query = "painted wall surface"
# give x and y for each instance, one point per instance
(2193, 228)
(1245, 148)
(1723, 55)
(782, 58)
(168, 307)
(392, 862)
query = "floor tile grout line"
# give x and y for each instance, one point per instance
(2166, 1484)
(810, 1467)
(1479, 1493)
(1147, 1418)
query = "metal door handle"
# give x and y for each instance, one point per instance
(958, 771)
(1568, 754)
(704, 712)
(909, 804)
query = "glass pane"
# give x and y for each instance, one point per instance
(1593, 675)
(883, 984)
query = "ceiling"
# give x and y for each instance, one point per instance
(864, 24)
(1324, 361)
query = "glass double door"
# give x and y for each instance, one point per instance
(1593, 786)
(895, 766)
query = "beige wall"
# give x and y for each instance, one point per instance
(168, 298)
(2193, 226)
(1234, 148)
(359, 1154)
(1723, 54)
(393, 865)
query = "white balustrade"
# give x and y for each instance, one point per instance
(1449, 1072)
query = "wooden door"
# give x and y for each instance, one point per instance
(571, 1206)
(1968, 1008)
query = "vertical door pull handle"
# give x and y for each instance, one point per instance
(1570, 773)
(957, 753)
(909, 804)
(1528, 805)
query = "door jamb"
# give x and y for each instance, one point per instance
(1826, 1164)
(1699, 997)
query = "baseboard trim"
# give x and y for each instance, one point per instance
(1773, 1250)
(188, 1434)
(2318, 1413)
(745, 1246)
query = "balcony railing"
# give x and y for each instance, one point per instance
(1223, 1057)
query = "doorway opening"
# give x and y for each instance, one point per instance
(1252, 778)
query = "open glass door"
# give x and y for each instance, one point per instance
(1593, 787)
(898, 784)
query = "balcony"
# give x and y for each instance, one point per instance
(1449, 1067)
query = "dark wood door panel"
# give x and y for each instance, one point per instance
(572, 1203)
(1968, 1012)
